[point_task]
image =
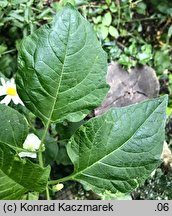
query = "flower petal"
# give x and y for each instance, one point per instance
(2, 90)
(33, 140)
(27, 154)
(17, 100)
(12, 81)
(6, 100)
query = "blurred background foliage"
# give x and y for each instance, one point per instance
(131, 32)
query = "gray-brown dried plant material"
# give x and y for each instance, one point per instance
(128, 88)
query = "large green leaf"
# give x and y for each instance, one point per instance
(62, 69)
(118, 150)
(19, 176)
(13, 128)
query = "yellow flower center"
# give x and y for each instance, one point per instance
(11, 91)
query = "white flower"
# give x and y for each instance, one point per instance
(32, 143)
(9, 89)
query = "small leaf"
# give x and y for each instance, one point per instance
(113, 32)
(108, 2)
(3, 3)
(143, 58)
(14, 2)
(16, 16)
(141, 8)
(19, 176)
(57, 6)
(120, 149)
(62, 69)
(146, 54)
(104, 31)
(3, 48)
(97, 20)
(72, 2)
(113, 8)
(162, 61)
(107, 19)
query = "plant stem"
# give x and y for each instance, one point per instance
(8, 51)
(42, 142)
(41, 162)
(48, 193)
(140, 20)
(119, 13)
(67, 178)
(40, 159)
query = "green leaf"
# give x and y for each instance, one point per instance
(19, 176)
(14, 2)
(113, 32)
(131, 50)
(146, 54)
(57, 6)
(97, 19)
(13, 128)
(107, 19)
(104, 31)
(120, 149)
(108, 2)
(16, 16)
(31, 196)
(62, 157)
(127, 61)
(162, 61)
(113, 8)
(3, 48)
(72, 2)
(67, 129)
(62, 69)
(51, 150)
(3, 3)
(141, 8)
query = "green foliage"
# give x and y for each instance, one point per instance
(17, 176)
(125, 25)
(18, 18)
(62, 94)
(15, 126)
(162, 60)
(105, 160)
(61, 79)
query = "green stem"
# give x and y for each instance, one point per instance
(8, 51)
(67, 178)
(48, 193)
(41, 162)
(140, 20)
(119, 13)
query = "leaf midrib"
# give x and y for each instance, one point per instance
(60, 80)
